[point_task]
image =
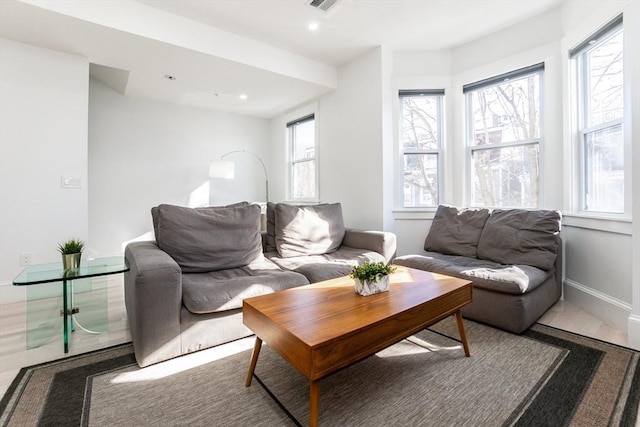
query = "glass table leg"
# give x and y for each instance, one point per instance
(43, 313)
(71, 306)
(65, 311)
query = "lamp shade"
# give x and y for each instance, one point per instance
(221, 169)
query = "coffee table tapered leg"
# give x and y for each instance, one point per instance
(314, 402)
(463, 335)
(254, 359)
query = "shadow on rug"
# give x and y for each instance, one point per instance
(544, 377)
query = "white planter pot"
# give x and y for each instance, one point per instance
(372, 287)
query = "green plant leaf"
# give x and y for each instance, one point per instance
(71, 246)
(371, 271)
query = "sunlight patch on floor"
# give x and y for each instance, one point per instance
(415, 345)
(186, 362)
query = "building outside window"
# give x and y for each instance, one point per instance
(421, 144)
(302, 158)
(599, 98)
(503, 138)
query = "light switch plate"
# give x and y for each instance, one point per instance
(70, 182)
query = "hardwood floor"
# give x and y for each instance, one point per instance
(14, 355)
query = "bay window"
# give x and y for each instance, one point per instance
(597, 65)
(504, 135)
(421, 144)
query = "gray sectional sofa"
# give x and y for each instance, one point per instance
(184, 290)
(513, 257)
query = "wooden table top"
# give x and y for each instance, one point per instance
(322, 312)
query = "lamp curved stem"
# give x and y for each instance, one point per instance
(266, 177)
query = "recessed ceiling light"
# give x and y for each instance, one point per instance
(313, 26)
(169, 77)
(243, 96)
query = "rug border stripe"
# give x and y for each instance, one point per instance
(25, 372)
(630, 413)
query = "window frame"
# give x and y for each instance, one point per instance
(439, 94)
(470, 148)
(292, 161)
(580, 67)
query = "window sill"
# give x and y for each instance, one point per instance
(300, 202)
(611, 224)
(413, 213)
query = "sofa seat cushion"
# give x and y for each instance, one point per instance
(317, 268)
(508, 279)
(224, 290)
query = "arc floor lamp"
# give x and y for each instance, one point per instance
(225, 169)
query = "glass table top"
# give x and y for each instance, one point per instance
(53, 272)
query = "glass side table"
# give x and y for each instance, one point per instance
(39, 326)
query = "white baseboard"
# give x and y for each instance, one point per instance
(610, 310)
(634, 331)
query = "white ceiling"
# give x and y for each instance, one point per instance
(220, 49)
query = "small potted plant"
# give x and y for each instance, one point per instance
(71, 251)
(372, 277)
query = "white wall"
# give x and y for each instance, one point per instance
(43, 136)
(350, 131)
(538, 31)
(633, 125)
(143, 153)
(351, 142)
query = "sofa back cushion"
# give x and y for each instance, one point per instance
(270, 242)
(154, 213)
(519, 236)
(456, 231)
(308, 230)
(209, 239)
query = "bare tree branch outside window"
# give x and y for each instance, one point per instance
(505, 127)
(420, 143)
(600, 69)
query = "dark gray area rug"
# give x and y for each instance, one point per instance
(545, 377)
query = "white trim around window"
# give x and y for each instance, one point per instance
(599, 144)
(421, 131)
(297, 120)
(504, 130)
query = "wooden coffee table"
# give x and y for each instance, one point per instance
(326, 326)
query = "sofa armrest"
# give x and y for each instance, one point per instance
(382, 242)
(153, 299)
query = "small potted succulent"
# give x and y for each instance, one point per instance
(372, 277)
(71, 251)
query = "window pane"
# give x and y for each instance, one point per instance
(419, 122)
(420, 180)
(605, 84)
(304, 180)
(304, 145)
(506, 112)
(604, 170)
(506, 177)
